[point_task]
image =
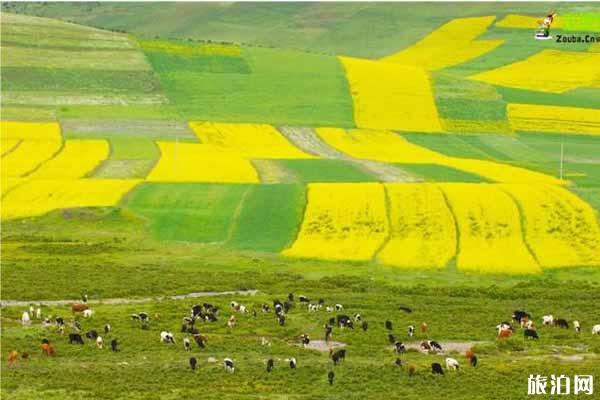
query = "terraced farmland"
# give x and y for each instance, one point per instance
(381, 156)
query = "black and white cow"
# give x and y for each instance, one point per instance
(228, 365)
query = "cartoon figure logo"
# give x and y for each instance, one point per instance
(543, 31)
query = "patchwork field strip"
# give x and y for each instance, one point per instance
(76, 159)
(422, 228)
(561, 229)
(554, 119)
(391, 96)
(37, 197)
(490, 237)
(342, 222)
(392, 148)
(259, 141)
(451, 44)
(540, 72)
(194, 162)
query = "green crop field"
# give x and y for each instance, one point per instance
(131, 174)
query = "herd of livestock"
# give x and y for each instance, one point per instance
(210, 313)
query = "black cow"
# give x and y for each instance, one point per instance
(436, 368)
(338, 356)
(75, 338)
(193, 363)
(293, 363)
(398, 362)
(330, 377)
(562, 323)
(281, 320)
(60, 321)
(391, 338)
(474, 361)
(388, 325)
(291, 297)
(270, 365)
(365, 326)
(435, 345)
(332, 321)
(45, 341)
(328, 331)
(195, 310)
(321, 301)
(91, 334)
(200, 340)
(303, 299)
(519, 315)
(531, 334)
(114, 345)
(399, 347)
(106, 328)
(287, 306)
(405, 309)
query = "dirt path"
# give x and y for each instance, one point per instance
(124, 300)
(306, 139)
(321, 345)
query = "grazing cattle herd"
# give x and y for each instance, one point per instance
(209, 313)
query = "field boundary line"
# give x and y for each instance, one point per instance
(388, 216)
(127, 300)
(299, 227)
(456, 230)
(7, 152)
(236, 214)
(522, 222)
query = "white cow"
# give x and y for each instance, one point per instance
(25, 319)
(167, 337)
(577, 326)
(99, 342)
(452, 364)
(38, 313)
(228, 365)
(548, 320)
(596, 330)
(87, 313)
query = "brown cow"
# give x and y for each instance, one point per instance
(13, 356)
(47, 349)
(424, 327)
(504, 334)
(79, 307)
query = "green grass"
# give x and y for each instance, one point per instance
(73, 80)
(189, 212)
(324, 170)
(269, 218)
(580, 97)
(282, 87)
(459, 98)
(115, 112)
(154, 369)
(439, 173)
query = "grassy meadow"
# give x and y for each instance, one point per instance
(136, 75)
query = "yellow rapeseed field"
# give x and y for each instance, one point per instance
(193, 162)
(28, 156)
(391, 96)
(526, 22)
(76, 159)
(37, 142)
(249, 140)
(387, 146)
(423, 233)
(30, 130)
(553, 71)
(342, 221)
(540, 118)
(490, 239)
(453, 43)
(37, 197)
(560, 228)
